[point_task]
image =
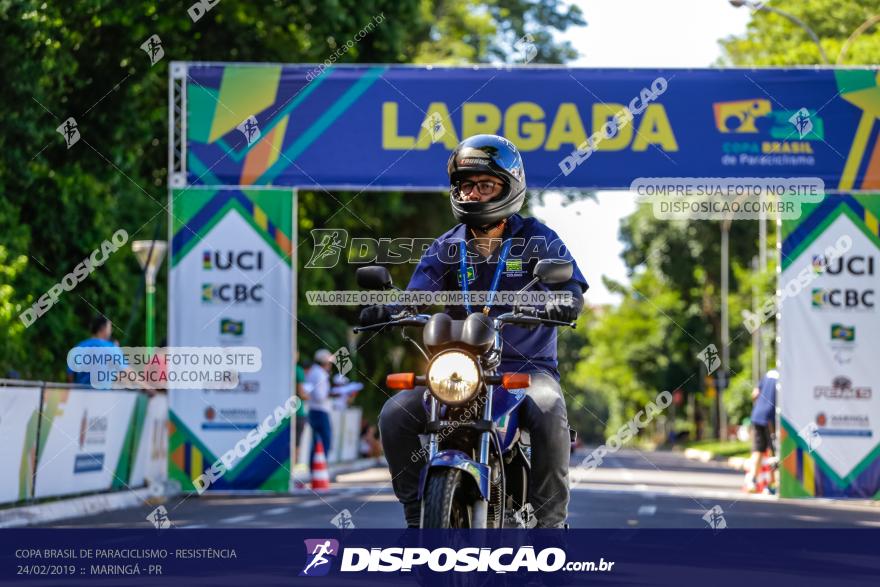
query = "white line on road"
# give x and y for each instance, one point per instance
(313, 502)
(276, 511)
(238, 519)
(647, 510)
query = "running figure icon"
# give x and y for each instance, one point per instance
(319, 551)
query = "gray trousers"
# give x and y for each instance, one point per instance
(542, 413)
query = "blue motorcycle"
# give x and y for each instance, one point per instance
(478, 459)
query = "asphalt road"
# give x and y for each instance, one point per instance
(630, 489)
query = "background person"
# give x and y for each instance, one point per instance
(343, 391)
(318, 382)
(763, 419)
(302, 413)
(101, 330)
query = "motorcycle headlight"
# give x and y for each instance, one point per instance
(453, 377)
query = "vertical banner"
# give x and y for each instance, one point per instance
(231, 285)
(830, 333)
(19, 415)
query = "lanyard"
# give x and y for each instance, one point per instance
(496, 279)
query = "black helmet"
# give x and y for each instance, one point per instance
(496, 156)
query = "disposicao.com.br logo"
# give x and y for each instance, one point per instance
(321, 552)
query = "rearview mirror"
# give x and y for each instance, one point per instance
(373, 277)
(551, 271)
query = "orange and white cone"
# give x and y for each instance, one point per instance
(320, 475)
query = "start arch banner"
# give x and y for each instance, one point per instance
(380, 126)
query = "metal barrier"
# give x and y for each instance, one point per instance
(63, 439)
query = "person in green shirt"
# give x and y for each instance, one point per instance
(302, 414)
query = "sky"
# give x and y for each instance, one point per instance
(631, 33)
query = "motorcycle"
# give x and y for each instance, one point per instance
(478, 459)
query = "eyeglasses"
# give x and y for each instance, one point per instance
(484, 188)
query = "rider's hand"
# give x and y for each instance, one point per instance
(375, 315)
(562, 312)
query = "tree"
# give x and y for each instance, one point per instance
(774, 40)
(83, 59)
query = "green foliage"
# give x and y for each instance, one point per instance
(83, 59)
(774, 40)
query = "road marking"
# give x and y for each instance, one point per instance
(194, 526)
(869, 524)
(313, 502)
(276, 511)
(238, 519)
(647, 510)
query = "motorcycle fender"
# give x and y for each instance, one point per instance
(456, 459)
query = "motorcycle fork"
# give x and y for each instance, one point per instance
(481, 506)
(432, 438)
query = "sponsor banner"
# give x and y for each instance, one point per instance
(19, 414)
(829, 375)
(83, 441)
(150, 447)
(327, 556)
(269, 124)
(231, 287)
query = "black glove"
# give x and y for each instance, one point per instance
(567, 312)
(375, 315)
(562, 312)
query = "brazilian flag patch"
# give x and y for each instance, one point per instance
(470, 275)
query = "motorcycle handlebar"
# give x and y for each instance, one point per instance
(408, 320)
(531, 317)
(524, 316)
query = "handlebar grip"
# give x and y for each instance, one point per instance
(407, 321)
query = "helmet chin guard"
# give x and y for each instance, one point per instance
(492, 155)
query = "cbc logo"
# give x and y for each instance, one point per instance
(850, 299)
(232, 293)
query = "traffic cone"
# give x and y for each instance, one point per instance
(765, 473)
(320, 475)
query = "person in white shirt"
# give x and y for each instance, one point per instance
(318, 385)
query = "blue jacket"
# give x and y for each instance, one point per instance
(439, 270)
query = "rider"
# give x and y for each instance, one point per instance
(488, 188)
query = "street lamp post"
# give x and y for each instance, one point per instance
(871, 21)
(798, 22)
(149, 255)
(725, 326)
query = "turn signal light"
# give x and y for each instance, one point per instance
(400, 381)
(516, 380)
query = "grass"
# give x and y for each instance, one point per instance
(734, 448)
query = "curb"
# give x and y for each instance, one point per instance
(41, 513)
(76, 507)
(335, 469)
(705, 456)
(695, 454)
(355, 466)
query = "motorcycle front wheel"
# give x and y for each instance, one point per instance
(445, 503)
